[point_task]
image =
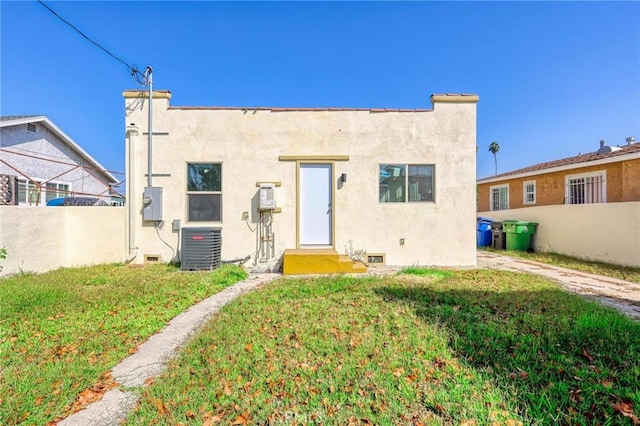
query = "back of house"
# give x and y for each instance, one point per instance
(384, 185)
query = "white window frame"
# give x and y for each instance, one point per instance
(42, 201)
(525, 192)
(588, 195)
(410, 190)
(491, 191)
(193, 192)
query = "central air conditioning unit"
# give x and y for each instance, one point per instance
(201, 249)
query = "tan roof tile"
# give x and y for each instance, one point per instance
(583, 158)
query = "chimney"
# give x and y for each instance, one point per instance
(630, 140)
(602, 143)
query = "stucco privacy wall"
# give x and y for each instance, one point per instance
(42, 239)
(249, 143)
(607, 232)
(18, 141)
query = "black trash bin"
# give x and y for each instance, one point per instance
(498, 240)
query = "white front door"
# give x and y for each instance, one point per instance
(315, 226)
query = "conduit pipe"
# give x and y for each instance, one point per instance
(150, 144)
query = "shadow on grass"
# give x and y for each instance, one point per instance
(562, 358)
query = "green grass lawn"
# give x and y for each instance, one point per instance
(627, 273)
(61, 331)
(433, 347)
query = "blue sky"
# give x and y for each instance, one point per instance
(553, 77)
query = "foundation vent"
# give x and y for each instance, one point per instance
(201, 249)
(376, 259)
(151, 259)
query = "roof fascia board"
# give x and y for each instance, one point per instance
(609, 160)
(24, 120)
(65, 138)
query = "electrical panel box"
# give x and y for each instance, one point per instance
(267, 196)
(152, 203)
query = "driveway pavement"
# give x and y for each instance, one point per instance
(619, 294)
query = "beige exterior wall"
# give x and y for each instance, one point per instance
(41, 239)
(250, 143)
(607, 232)
(631, 180)
(623, 184)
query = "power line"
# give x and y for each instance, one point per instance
(137, 75)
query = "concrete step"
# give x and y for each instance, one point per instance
(319, 261)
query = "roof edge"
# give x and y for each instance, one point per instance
(602, 161)
(435, 98)
(455, 98)
(66, 139)
(22, 120)
(300, 109)
(160, 94)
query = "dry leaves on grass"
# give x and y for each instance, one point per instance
(626, 409)
(87, 396)
(94, 393)
(243, 419)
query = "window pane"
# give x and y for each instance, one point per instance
(500, 198)
(204, 177)
(33, 196)
(52, 191)
(421, 183)
(205, 207)
(529, 193)
(22, 192)
(63, 190)
(392, 183)
(576, 191)
(503, 199)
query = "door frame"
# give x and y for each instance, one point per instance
(332, 188)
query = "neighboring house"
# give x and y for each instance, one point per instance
(398, 184)
(44, 163)
(609, 175)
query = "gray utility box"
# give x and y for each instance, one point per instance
(152, 203)
(201, 249)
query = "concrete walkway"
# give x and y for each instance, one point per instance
(152, 357)
(619, 294)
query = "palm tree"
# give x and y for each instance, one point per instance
(494, 147)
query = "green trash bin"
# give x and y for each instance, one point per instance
(519, 234)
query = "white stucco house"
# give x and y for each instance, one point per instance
(267, 184)
(39, 162)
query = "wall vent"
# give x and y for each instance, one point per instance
(376, 259)
(201, 249)
(8, 190)
(31, 127)
(151, 259)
